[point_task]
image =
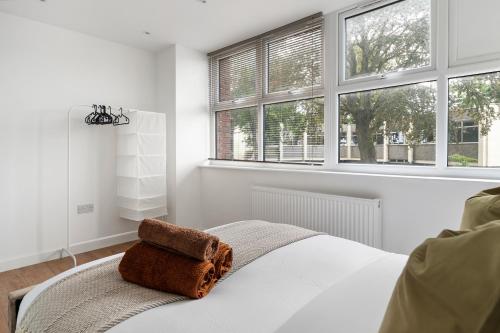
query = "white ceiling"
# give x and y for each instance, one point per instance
(191, 23)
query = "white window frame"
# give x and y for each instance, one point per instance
(368, 7)
(301, 93)
(263, 97)
(240, 102)
(442, 71)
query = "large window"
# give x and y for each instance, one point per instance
(474, 121)
(411, 83)
(395, 124)
(267, 96)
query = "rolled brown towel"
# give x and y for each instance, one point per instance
(149, 266)
(193, 243)
(223, 260)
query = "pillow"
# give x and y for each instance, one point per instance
(481, 208)
(451, 284)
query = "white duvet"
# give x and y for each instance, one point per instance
(320, 284)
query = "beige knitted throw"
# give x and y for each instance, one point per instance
(97, 298)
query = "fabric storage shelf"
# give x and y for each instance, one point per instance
(139, 215)
(142, 204)
(141, 188)
(144, 122)
(141, 144)
(141, 166)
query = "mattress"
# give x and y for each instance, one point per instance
(319, 284)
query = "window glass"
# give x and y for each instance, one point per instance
(295, 62)
(388, 39)
(294, 131)
(237, 76)
(474, 121)
(236, 134)
(394, 125)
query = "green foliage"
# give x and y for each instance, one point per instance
(237, 76)
(390, 39)
(291, 66)
(287, 122)
(393, 38)
(246, 120)
(462, 160)
(473, 97)
(408, 109)
(295, 61)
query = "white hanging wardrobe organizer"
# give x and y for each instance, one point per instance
(141, 163)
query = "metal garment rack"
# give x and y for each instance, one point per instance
(67, 249)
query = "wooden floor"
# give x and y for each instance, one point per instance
(31, 275)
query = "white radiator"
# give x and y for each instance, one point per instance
(347, 217)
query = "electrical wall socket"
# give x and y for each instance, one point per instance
(85, 209)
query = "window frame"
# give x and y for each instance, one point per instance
(262, 97)
(280, 96)
(444, 70)
(340, 162)
(368, 7)
(466, 74)
(216, 134)
(311, 163)
(235, 103)
(339, 86)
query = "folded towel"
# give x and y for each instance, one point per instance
(223, 260)
(152, 267)
(190, 242)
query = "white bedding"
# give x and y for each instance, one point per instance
(320, 284)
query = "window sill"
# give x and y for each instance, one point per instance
(388, 171)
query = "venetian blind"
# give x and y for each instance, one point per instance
(284, 68)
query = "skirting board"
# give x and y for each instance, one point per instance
(75, 248)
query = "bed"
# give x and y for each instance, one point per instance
(317, 284)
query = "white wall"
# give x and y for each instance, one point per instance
(165, 102)
(183, 96)
(413, 208)
(43, 71)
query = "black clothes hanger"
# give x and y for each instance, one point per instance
(104, 118)
(101, 117)
(94, 119)
(88, 119)
(121, 119)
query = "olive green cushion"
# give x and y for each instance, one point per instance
(451, 284)
(482, 208)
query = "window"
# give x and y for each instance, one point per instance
(296, 62)
(391, 125)
(237, 76)
(474, 121)
(294, 131)
(267, 96)
(236, 132)
(387, 124)
(463, 131)
(392, 105)
(390, 38)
